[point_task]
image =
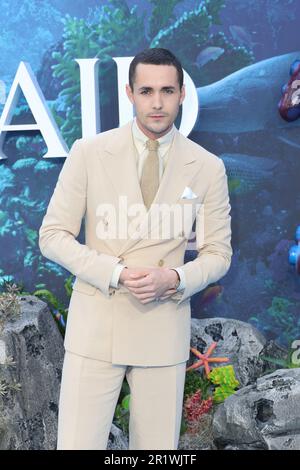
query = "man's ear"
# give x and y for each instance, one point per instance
(182, 92)
(129, 93)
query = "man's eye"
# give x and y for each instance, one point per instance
(147, 92)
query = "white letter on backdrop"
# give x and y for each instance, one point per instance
(89, 88)
(26, 81)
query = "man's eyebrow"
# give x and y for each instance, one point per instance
(163, 88)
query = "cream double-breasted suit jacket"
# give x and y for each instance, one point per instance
(111, 324)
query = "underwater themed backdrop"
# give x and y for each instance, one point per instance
(241, 55)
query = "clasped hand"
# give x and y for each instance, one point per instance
(148, 284)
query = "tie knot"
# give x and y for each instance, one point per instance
(152, 144)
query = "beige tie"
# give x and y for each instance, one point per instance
(150, 173)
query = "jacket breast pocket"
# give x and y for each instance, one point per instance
(84, 287)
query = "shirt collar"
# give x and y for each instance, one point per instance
(140, 138)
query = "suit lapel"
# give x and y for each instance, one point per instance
(120, 164)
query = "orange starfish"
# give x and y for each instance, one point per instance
(205, 359)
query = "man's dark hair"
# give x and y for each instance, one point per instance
(156, 56)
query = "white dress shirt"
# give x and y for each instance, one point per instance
(140, 139)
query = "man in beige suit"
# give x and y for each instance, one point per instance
(139, 188)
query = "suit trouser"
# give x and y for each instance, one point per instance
(89, 394)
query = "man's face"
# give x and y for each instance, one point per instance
(156, 97)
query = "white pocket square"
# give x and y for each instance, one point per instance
(188, 194)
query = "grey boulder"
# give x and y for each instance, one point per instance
(28, 417)
(265, 415)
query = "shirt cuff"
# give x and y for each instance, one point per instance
(181, 277)
(116, 275)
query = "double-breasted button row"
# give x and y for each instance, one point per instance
(161, 262)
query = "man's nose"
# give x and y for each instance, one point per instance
(157, 102)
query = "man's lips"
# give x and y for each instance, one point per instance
(157, 116)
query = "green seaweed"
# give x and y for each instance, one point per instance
(288, 363)
(195, 381)
(225, 379)
(281, 318)
(24, 164)
(57, 307)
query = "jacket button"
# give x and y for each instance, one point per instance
(112, 292)
(161, 262)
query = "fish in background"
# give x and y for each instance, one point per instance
(208, 54)
(210, 294)
(242, 36)
(247, 172)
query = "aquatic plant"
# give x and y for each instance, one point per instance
(27, 27)
(194, 380)
(57, 306)
(121, 416)
(288, 363)
(225, 380)
(5, 385)
(117, 31)
(9, 303)
(23, 199)
(280, 320)
(191, 33)
(7, 179)
(194, 408)
(10, 308)
(202, 394)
